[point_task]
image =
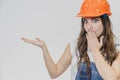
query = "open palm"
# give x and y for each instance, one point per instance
(36, 42)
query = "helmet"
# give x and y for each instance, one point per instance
(94, 8)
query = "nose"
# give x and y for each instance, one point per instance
(89, 25)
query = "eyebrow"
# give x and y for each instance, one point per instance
(95, 18)
(91, 18)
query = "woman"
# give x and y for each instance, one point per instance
(94, 56)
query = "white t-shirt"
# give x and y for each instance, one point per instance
(73, 45)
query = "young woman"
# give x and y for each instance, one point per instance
(94, 55)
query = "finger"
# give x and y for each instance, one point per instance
(38, 39)
(87, 36)
(90, 34)
(88, 30)
(24, 39)
(101, 40)
(94, 34)
(28, 40)
(91, 28)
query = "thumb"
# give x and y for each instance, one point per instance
(101, 41)
(38, 39)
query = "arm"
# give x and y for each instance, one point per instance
(54, 70)
(106, 71)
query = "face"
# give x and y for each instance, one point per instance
(93, 23)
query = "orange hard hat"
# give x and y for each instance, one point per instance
(94, 8)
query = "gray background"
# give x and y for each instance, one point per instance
(54, 21)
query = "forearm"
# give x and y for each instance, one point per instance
(51, 66)
(105, 70)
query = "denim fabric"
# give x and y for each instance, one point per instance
(82, 74)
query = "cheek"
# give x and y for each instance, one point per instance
(86, 29)
(98, 29)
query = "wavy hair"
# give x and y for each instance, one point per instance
(108, 50)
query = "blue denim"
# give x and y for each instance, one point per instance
(82, 74)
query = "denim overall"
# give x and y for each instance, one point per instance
(83, 76)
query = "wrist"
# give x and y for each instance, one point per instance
(95, 51)
(43, 47)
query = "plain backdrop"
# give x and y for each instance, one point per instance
(53, 21)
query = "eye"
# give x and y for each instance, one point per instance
(85, 21)
(95, 20)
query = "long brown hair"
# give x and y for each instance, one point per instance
(108, 49)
